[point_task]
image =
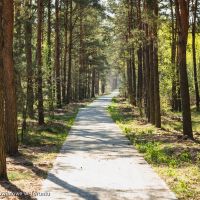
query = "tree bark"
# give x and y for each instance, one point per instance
(65, 52)
(49, 62)
(9, 80)
(57, 56)
(140, 62)
(3, 171)
(151, 83)
(194, 52)
(156, 72)
(18, 51)
(147, 74)
(69, 79)
(93, 82)
(133, 75)
(29, 64)
(173, 57)
(81, 57)
(183, 24)
(39, 63)
(131, 79)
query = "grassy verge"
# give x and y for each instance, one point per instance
(37, 152)
(176, 160)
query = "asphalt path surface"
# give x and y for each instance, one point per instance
(98, 163)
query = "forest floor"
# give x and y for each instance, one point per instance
(37, 153)
(175, 159)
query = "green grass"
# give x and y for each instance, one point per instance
(18, 175)
(54, 132)
(175, 160)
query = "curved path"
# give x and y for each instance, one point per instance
(98, 163)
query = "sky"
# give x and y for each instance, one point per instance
(103, 2)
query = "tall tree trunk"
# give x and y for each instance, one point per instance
(129, 81)
(49, 63)
(3, 171)
(57, 56)
(133, 75)
(93, 81)
(65, 52)
(39, 62)
(10, 91)
(147, 74)
(132, 53)
(156, 73)
(88, 80)
(151, 83)
(69, 79)
(18, 50)
(183, 24)
(97, 84)
(140, 78)
(81, 57)
(194, 52)
(29, 64)
(173, 57)
(178, 104)
(140, 61)
(130, 65)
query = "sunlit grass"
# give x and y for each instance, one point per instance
(18, 175)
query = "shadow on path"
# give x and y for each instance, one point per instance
(71, 188)
(51, 177)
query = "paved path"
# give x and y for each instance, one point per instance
(98, 163)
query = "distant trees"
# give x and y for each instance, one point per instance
(147, 87)
(60, 73)
(140, 47)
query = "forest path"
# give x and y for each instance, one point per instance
(98, 163)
